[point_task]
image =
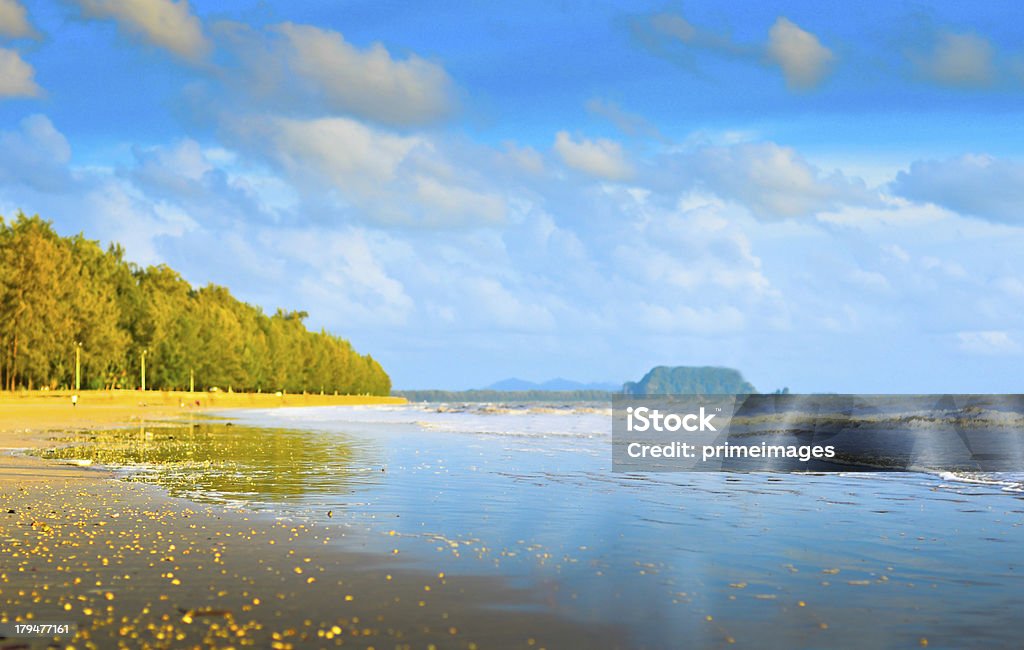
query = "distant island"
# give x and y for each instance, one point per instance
(662, 380)
(74, 315)
(690, 380)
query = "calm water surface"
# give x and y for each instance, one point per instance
(527, 494)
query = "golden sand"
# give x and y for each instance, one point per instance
(29, 418)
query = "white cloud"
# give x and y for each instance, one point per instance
(989, 342)
(347, 154)
(773, 181)
(505, 309)
(460, 202)
(14, 21)
(978, 185)
(343, 271)
(36, 154)
(601, 158)
(691, 320)
(369, 83)
(128, 217)
(692, 248)
(966, 60)
(886, 212)
(17, 78)
(164, 23)
(804, 60)
(184, 162)
(375, 175)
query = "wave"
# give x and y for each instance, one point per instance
(1007, 482)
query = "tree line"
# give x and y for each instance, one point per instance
(59, 294)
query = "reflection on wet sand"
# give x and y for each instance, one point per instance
(132, 568)
(218, 461)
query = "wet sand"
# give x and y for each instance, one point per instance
(29, 419)
(133, 567)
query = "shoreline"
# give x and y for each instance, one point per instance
(29, 418)
(132, 566)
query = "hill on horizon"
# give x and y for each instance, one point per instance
(690, 380)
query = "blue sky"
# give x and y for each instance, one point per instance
(826, 196)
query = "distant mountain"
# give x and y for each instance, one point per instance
(558, 384)
(690, 380)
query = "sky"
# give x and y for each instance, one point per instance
(826, 196)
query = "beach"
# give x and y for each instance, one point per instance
(130, 566)
(481, 526)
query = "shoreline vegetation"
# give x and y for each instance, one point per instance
(75, 316)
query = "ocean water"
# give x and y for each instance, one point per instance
(526, 493)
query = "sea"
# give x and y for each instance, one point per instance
(526, 493)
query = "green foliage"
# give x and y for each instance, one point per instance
(57, 293)
(690, 380)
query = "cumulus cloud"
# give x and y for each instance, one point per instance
(964, 60)
(460, 202)
(693, 246)
(505, 309)
(349, 155)
(772, 181)
(14, 21)
(129, 217)
(206, 183)
(368, 83)
(346, 271)
(802, 57)
(36, 154)
(164, 23)
(305, 70)
(804, 61)
(387, 178)
(978, 185)
(601, 158)
(17, 78)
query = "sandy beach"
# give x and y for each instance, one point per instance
(29, 419)
(131, 566)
